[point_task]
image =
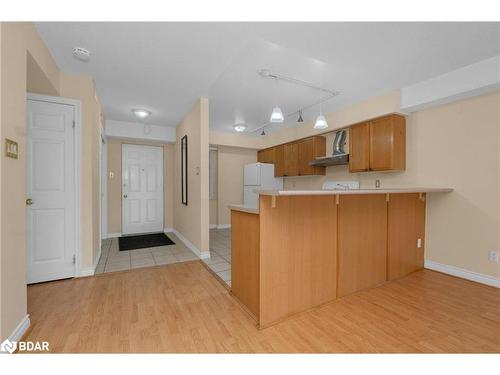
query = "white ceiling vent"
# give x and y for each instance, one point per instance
(81, 54)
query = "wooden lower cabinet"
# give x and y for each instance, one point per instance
(305, 250)
(362, 242)
(298, 255)
(245, 259)
(406, 225)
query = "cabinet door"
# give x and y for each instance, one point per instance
(359, 147)
(291, 159)
(387, 143)
(261, 156)
(279, 161)
(362, 242)
(266, 156)
(406, 226)
(306, 154)
(309, 149)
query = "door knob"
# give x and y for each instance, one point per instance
(29, 202)
(124, 195)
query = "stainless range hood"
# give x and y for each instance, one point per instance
(338, 157)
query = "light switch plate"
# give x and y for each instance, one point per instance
(11, 148)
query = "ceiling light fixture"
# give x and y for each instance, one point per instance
(320, 121)
(300, 119)
(239, 127)
(81, 54)
(141, 114)
(277, 115)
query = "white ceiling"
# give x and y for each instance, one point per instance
(165, 67)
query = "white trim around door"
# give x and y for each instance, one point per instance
(76, 104)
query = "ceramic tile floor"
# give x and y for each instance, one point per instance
(220, 254)
(114, 260)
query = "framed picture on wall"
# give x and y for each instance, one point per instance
(184, 170)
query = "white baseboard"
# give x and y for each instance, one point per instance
(89, 271)
(223, 226)
(167, 230)
(111, 235)
(190, 246)
(20, 330)
(212, 226)
(462, 273)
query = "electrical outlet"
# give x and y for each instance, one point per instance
(419, 243)
(493, 256)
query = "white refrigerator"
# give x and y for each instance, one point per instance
(259, 176)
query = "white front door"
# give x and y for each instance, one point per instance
(50, 181)
(142, 189)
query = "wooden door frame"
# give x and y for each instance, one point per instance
(76, 160)
(162, 180)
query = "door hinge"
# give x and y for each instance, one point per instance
(74, 259)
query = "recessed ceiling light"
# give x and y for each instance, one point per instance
(141, 113)
(81, 54)
(239, 127)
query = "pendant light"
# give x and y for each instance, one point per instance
(320, 120)
(300, 119)
(277, 114)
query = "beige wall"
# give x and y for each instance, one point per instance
(115, 186)
(231, 161)
(192, 221)
(26, 64)
(16, 40)
(455, 145)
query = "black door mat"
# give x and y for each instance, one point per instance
(144, 240)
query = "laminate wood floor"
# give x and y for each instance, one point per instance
(182, 308)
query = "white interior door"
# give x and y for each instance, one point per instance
(51, 216)
(142, 189)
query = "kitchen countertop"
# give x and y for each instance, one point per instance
(402, 190)
(242, 208)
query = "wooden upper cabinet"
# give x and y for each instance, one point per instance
(266, 155)
(279, 161)
(359, 147)
(291, 157)
(309, 149)
(378, 145)
(388, 143)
